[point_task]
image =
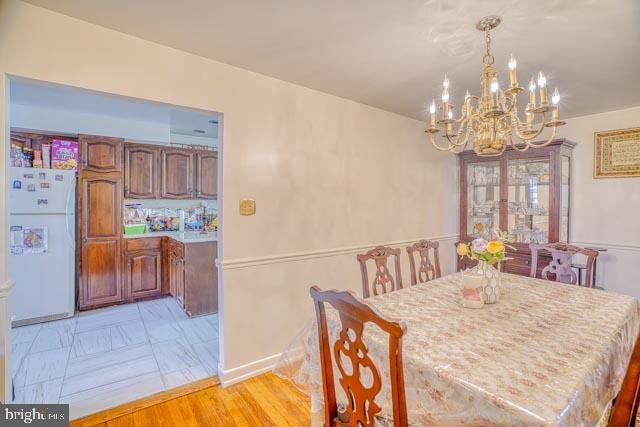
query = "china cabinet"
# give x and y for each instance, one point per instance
(525, 194)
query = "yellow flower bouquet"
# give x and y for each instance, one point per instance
(492, 251)
(487, 253)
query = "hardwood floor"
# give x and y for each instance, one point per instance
(265, 400)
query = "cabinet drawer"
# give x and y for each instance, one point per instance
(521, 264)
(143, 243)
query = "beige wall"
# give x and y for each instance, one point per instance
(329, 176)
(605, 212)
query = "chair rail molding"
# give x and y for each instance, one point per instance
(231, 264)
(616, 246)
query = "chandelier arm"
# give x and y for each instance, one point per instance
(462, 128)
(457, 142)
(548, 141)
(527, 139)
(433, 141)
(523, 149)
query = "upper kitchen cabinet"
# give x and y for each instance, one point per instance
(100, 153)
(207, 175)
(141, 171)
(177, 174)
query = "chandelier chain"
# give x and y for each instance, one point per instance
(488, 58)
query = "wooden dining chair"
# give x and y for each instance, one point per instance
(361, 408)
(625, 408)
(559, 269)
(427, 270)
(383, 281)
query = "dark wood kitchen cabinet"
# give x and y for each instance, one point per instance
(100, 239)
(100, 153)
(177, 174)
(157, 172)
(143, 268)
(207, 175)
(141, 171)
(193, 279)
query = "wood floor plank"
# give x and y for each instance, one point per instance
(265, 400)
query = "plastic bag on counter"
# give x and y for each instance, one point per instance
(163, 219)
(134, 214)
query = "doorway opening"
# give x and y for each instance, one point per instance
(113, 215)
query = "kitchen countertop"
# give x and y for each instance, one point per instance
(180, 236)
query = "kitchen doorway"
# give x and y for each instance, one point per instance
(114, 226)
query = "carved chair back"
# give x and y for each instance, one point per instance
(361, 407)
(383, 281)
(427, 270)
(559, 269)
(625, 408)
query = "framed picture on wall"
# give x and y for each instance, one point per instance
(617, 153)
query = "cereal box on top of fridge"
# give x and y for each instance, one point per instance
(64, 154)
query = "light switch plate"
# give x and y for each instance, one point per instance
(247, 207)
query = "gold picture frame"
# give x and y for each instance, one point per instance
(617, 153)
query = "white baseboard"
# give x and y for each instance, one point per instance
(244, 372)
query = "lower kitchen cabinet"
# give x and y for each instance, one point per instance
(156, 266)
(193, 279)
(143, 268)
(144, 274)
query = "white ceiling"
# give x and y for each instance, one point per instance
(178, 120)
(393, 54)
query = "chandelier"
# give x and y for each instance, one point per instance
(491, 120)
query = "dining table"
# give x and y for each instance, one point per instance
(546, 353)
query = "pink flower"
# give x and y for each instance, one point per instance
(479, 245)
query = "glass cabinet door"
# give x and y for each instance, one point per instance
(564, 198)
(528, 200)
(483, 197)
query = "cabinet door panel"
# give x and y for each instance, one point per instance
(100, 203)
(101, 206)
(177, 174)
(100, 276)
(180, 281)
(140, 172)
(172, 274)
(100, 153)
(144, 276)
(207, 175)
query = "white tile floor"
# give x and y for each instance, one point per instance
(103, 358)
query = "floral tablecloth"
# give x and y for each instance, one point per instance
(545, 354)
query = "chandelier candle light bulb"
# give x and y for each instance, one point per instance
(432, 110)
(512, 71)
(490, 122)
(555, 100)
(542, 84)
(532, 94)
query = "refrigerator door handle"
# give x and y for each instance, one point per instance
(68, 214)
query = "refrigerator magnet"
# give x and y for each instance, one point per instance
(59, 177)
(43, 202)
(31, 188)
(42, 175)
(17, 184)
(28, 176)
(44, 184)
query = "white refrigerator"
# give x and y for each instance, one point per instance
(42, 244)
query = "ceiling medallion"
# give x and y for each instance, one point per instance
(491, 120)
